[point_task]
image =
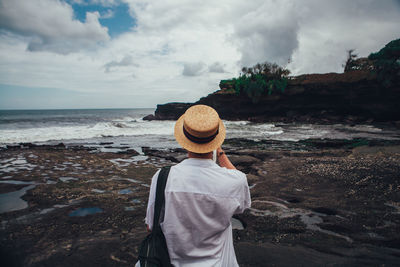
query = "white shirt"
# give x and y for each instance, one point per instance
(200, 199)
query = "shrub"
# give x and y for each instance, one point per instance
(387, 63)
(258, 80)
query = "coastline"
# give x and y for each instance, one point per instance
(321, 202)
(353, 97)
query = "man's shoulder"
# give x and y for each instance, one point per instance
(214, 174)
(234, 173)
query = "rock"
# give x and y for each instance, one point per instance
(27, 145)
(252, 179)
(130, 152)
(171, 111)
(243, 160)
(324, 210)
(307, 206)
(149, 117)
(106, 143)
(180, 157)
(150, 152)
(174, 155)
(354, 97)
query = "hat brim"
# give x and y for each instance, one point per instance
(198, 148)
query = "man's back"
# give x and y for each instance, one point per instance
(200, 199)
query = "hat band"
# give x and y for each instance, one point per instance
(199, 140)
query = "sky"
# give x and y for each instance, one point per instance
(57, 54)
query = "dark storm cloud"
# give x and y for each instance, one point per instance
(268, 33)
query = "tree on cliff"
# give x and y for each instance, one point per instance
(262, 78)
(387, 63)
(355, 63)
(350, 60)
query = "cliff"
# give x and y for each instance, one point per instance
(351, 97)
(169, 111)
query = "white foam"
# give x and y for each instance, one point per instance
(162, 132)
(244, 129)
(102, 129)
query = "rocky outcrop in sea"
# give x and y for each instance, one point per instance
(351, 97)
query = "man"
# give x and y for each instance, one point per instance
(200, 196)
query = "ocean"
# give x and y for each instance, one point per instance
(126, 128)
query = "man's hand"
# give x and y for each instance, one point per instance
(223, 159)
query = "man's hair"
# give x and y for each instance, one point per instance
(200, 154)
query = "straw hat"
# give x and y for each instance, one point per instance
(200, 129)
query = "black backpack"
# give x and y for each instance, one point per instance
(153, 249)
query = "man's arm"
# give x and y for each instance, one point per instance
(223, 159)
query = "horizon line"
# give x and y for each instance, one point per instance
(27, 109)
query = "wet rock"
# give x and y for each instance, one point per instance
(318, 206)
(174, 155)
(323, 210)
(170, 111)
(27, 145)
(293, 200)
(252, 179)
(106, 143)
(149, 117)
(243, 160)
(132, 152)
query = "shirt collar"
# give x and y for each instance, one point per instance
(199, 162)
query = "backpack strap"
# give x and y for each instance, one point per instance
(160, 197)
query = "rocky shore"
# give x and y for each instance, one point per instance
(315, 202)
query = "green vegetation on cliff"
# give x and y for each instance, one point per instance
(258, 80)
(387, 63)
(267, 78)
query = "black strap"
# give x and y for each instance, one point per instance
(160, 197)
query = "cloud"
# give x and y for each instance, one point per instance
(267, 32)
(216, 67)
(327, 29)
(184, 48)
(50, 25)
(124, 62)
(105, 3)
(193, 69)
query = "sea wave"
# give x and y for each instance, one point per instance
(163, 131)
(248, 130)
(109, 129)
